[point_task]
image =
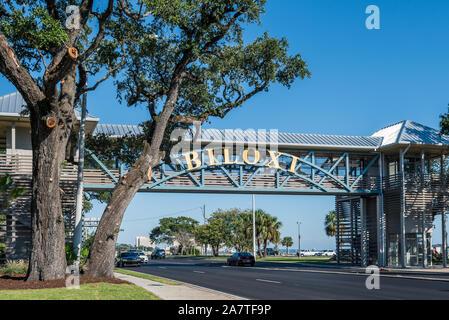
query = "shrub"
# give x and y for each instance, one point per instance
(15, 267)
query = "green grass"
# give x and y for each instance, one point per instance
(90, 291)
(146, 276)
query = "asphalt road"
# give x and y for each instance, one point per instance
(267, 281)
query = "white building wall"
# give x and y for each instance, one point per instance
(23, 141)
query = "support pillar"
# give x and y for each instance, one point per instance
(443, 215)
(381, 242)
(363, 235)
(254, 227)
(424, 222)
(13, 138)
(338, 208)
(402, 213)
(444, 244)
(78, 232)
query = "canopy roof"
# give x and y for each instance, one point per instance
(12, 105)
(390, 137)
(410, 132)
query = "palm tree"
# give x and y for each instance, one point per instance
(276, 240)
(330, 224)
(270, 226)
(267, 229)
(287, 242)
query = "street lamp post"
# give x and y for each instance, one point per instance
(254, 227)
(299, 238)
(78, 234)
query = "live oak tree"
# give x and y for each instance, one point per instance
(180, 229)
(47, 51)
(189, 63)
(330, 224)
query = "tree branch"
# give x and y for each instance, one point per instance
(129, 13)
(52, 9)
(101, 31)
(11, 68)
(81, 90)
(221, 111)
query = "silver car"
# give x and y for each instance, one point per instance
(143, 257)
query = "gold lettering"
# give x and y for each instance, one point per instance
(293, 165)
(256, 156)
(194, 159)
(210, 153)
(274, 159)
(227, 157)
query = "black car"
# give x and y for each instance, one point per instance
(241, 258)
(158, 254)
(129, 259)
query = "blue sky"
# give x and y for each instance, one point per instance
(362, 80)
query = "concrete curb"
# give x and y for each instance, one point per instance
(184, 291)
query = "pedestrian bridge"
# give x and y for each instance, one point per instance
(231, 161)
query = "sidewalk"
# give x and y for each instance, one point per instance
(183, 291)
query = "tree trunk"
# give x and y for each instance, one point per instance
(258, 248)
(265, 243)
(101, 256)
(47, 258)
(287, 251)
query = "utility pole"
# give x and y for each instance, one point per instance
(204, 213)
(254, 227)
(77, 238)
(299, 238)
(204, 217)
(444, 242)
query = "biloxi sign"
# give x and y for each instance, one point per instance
(250, 156)
(216, 143)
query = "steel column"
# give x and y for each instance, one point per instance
(254, 227)
(381, 243)
(338, 208)
(424, 231)
(402, 213)
(443, 217)
(363, 234)
(444, 244)
(78, 234)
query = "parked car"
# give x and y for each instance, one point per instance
(309, 253)
(158, 254)
(272, 252)
(327, 253)
(241, 258)
(143, 257)
(129, 259)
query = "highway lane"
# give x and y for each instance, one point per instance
(279, 282)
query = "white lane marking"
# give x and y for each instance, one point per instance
(271, 281)
(199, 272)
(162, 267)
(349, 273)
